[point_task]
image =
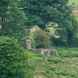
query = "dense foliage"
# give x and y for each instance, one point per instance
(62, 65)
(12, 18)
(16, 15)
(56, 27)
(12, 60)
(42, 12)
(39, 38)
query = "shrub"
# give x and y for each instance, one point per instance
(11, 58)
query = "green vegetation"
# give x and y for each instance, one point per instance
(12, 19)
(26, 64)
(65, 65)
(32, 62)
(68, 52)
(41, 13)
(16, 16)
(12, 59)
(56, 28)
(75, 2)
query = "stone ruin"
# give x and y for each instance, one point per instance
(46, 52)
(43, 51)
(28, 44)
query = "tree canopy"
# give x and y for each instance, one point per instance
(12, 18)
(16, 15)
(41, 12)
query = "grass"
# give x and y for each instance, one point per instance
(67, 52)
(75, 2)
(63, 66)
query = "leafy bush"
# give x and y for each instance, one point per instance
(11, 58)
(40, 39)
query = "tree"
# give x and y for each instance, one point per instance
(14, 18)
(12, 59)
(41, 12)
(46, 11)
(3, 7)
(3, 10)
(39, 38)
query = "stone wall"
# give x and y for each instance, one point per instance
(46, 52)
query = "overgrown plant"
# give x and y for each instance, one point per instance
(11, 59)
